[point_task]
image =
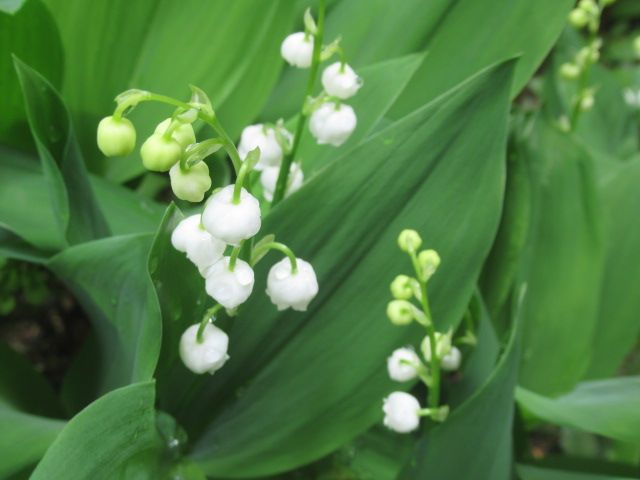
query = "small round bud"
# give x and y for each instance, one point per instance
(590, 7)
(191, 184)
(402, 365)
(402, 288)
(206, 356)
(578, 18)
(429, 261)
(159, 154)
(569, 71)
(184, 134)
(451, 361)
(116, 137)
(229, 288)
(332, 124)
(401, 412)
(231, 222)
(339, 80)
(448, 354)
(587, 102)
(400, 312)
(409, 240)
(297, 49)
(295, 290)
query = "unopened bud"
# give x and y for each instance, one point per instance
(569, 71)
(401, 287)
(400, 312)
(429, 261)
(409, 240)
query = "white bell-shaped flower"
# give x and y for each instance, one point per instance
(297, 49)
(201, 248)
(339, 80)
(401, 412)
(229, 288)
(231, 222)
(266, 139)
(402, 365)
(208, 356)
(295, 290)
(449, 355)
(332, 123)
(269, 178)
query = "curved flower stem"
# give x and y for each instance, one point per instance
(205, 321)
(237, 188)
(235, 253)
(280, 247)
(283, 176)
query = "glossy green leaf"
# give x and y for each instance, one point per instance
(109, 277)
(606, 407)
(97, 441)
(477, 432)
(379, 188)
(565, 245)
(528, 472)
(77, 212)
(177, 44)
(31, 34)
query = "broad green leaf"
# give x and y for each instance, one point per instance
(31, 34)
(419, 172)
(618, 324)
(563, 263)
(475, 440)
(109, 277)
(96, 442)
(528, 472)
(223, 47)
(606, 407)
(379, 454)
(477, 33)
(76, 209)
(383, 83)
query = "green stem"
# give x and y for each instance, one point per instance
(205, 321)
(280, 247)
(235, 253)
(283, 176)
(237, 188)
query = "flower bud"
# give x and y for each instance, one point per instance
(590, 7)
(339, 80)
(159, 154)
(184, 134)
(636, 46)
(401, 412)
(569, 71)
(400, 312)
(190, 184)
(208, 356)
(402, 365)
(448, 354)
(295, 290)
(409, 240)
(297, 49)
(402, 288)
(201, 248)
(332, 124)
(451, 361)
(578, 18)
(229, 288)
(116, 137)
(266, 139)
(429, 261)
(269, 178)
(231, 222)
(587, 102)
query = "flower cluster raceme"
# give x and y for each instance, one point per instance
(402, 411)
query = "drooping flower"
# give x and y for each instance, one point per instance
(229, 288)
(339, 80)
(295, 290)
(159, 153)
(449, 355)
(208, 356)
(232, 222)
(402, 365)
(269, 178)
(183, 134)
(190, 184)
(267, 140)
(201, 248)
(332, 124)
(297, 49)
(116, 137)
(401, 412)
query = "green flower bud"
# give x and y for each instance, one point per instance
(159, 154)
(569, 71)
(443, 345)
(191, 184)
(590, 7)
(586, 102)
(183, 134)
(402, 288)
(400, 312)
(578, 18)
(429, 261)
(116, 137)
(409, 240)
